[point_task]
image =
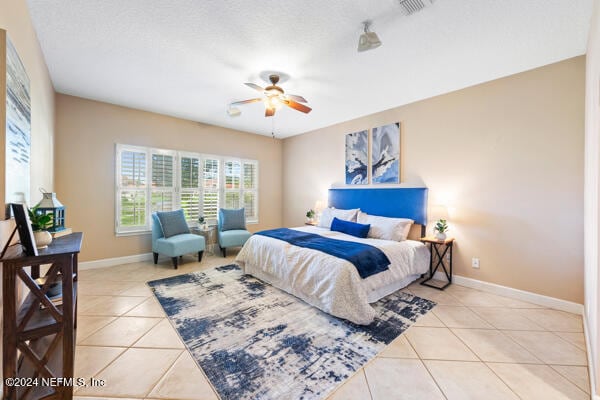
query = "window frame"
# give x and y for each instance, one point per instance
(177, 188)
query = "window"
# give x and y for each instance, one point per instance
(149, 180)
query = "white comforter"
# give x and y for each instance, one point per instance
(329, 283)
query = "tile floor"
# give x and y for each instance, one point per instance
(473, 345)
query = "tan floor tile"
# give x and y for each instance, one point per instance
(477, 298)
(138, 289)
(438, 344)
(549, 348)
(459, 317)
(184, 381)
(577, 375)
(149, 308)
(88, 324)
(107, 305)
(399, 348)
(576, 338)
(554, 320)
(124, 331)
(355, 388)
(440, 297)
(101, 398)
(388, 379)
(106, 288)
(163, 335)
(429, 319)
(89, 360)
(506, 318)
(468, 380)
(493, 345)
(134, 373)
(535, 382)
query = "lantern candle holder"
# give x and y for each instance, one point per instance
(51, 205)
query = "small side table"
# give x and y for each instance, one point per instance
(210, 237)
(436, 245)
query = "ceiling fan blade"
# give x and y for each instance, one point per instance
(254, 86)
(237, 103)
(297, 106)
(269, 112)
(295, 97)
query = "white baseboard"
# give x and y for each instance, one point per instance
(109, 262)
(591, 366)
(539, 299)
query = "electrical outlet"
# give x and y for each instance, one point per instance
(475, 262)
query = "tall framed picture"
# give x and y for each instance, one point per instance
(385, 154)
(357, 157)
(18, 127)
(24, 229)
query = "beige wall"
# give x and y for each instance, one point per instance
(15, 20)
(591, 193)
(85, 165)
(506, 156)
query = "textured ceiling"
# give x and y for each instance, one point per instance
(190, 58)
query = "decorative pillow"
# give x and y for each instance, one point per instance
(232, 219)
(386, 228)
(172, 223)
(329, 213)
(351, 228)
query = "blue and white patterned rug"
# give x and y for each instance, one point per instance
(255, 341)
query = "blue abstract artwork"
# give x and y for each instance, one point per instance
(18, 126)
(254, 341)
(385, 154)
(357, 157)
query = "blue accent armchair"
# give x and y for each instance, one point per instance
(231, 229)
(174, 246)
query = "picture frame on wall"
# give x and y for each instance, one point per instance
(357, 158)
(18, 127)
(24, 229)
(385, 154)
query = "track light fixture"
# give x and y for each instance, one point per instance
(368, 40)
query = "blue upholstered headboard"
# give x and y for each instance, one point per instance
(389, 202)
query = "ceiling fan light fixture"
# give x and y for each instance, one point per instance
(368, 40)
(233, 111)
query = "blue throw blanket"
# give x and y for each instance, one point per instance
(367, 259)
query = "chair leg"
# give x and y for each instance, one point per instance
(224, 250)
(174, 262)
(155, 257)
(200, 253)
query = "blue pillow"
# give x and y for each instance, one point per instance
(230, 220)
(172, 223)
(351, 228)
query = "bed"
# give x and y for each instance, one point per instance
(333, 284)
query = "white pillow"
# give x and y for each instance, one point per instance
(329, 213)
(386, 228)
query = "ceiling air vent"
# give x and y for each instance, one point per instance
(412, 6)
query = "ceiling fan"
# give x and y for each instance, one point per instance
(274, 98)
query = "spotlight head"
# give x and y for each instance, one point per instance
(368, 40)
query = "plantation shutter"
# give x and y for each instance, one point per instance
(232, 188)
(132, 187)
(250, 190)
(162, 194)
(189, 198)
(210, 189)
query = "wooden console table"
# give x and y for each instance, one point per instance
(44, 333)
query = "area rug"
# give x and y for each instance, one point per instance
(255, 341)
